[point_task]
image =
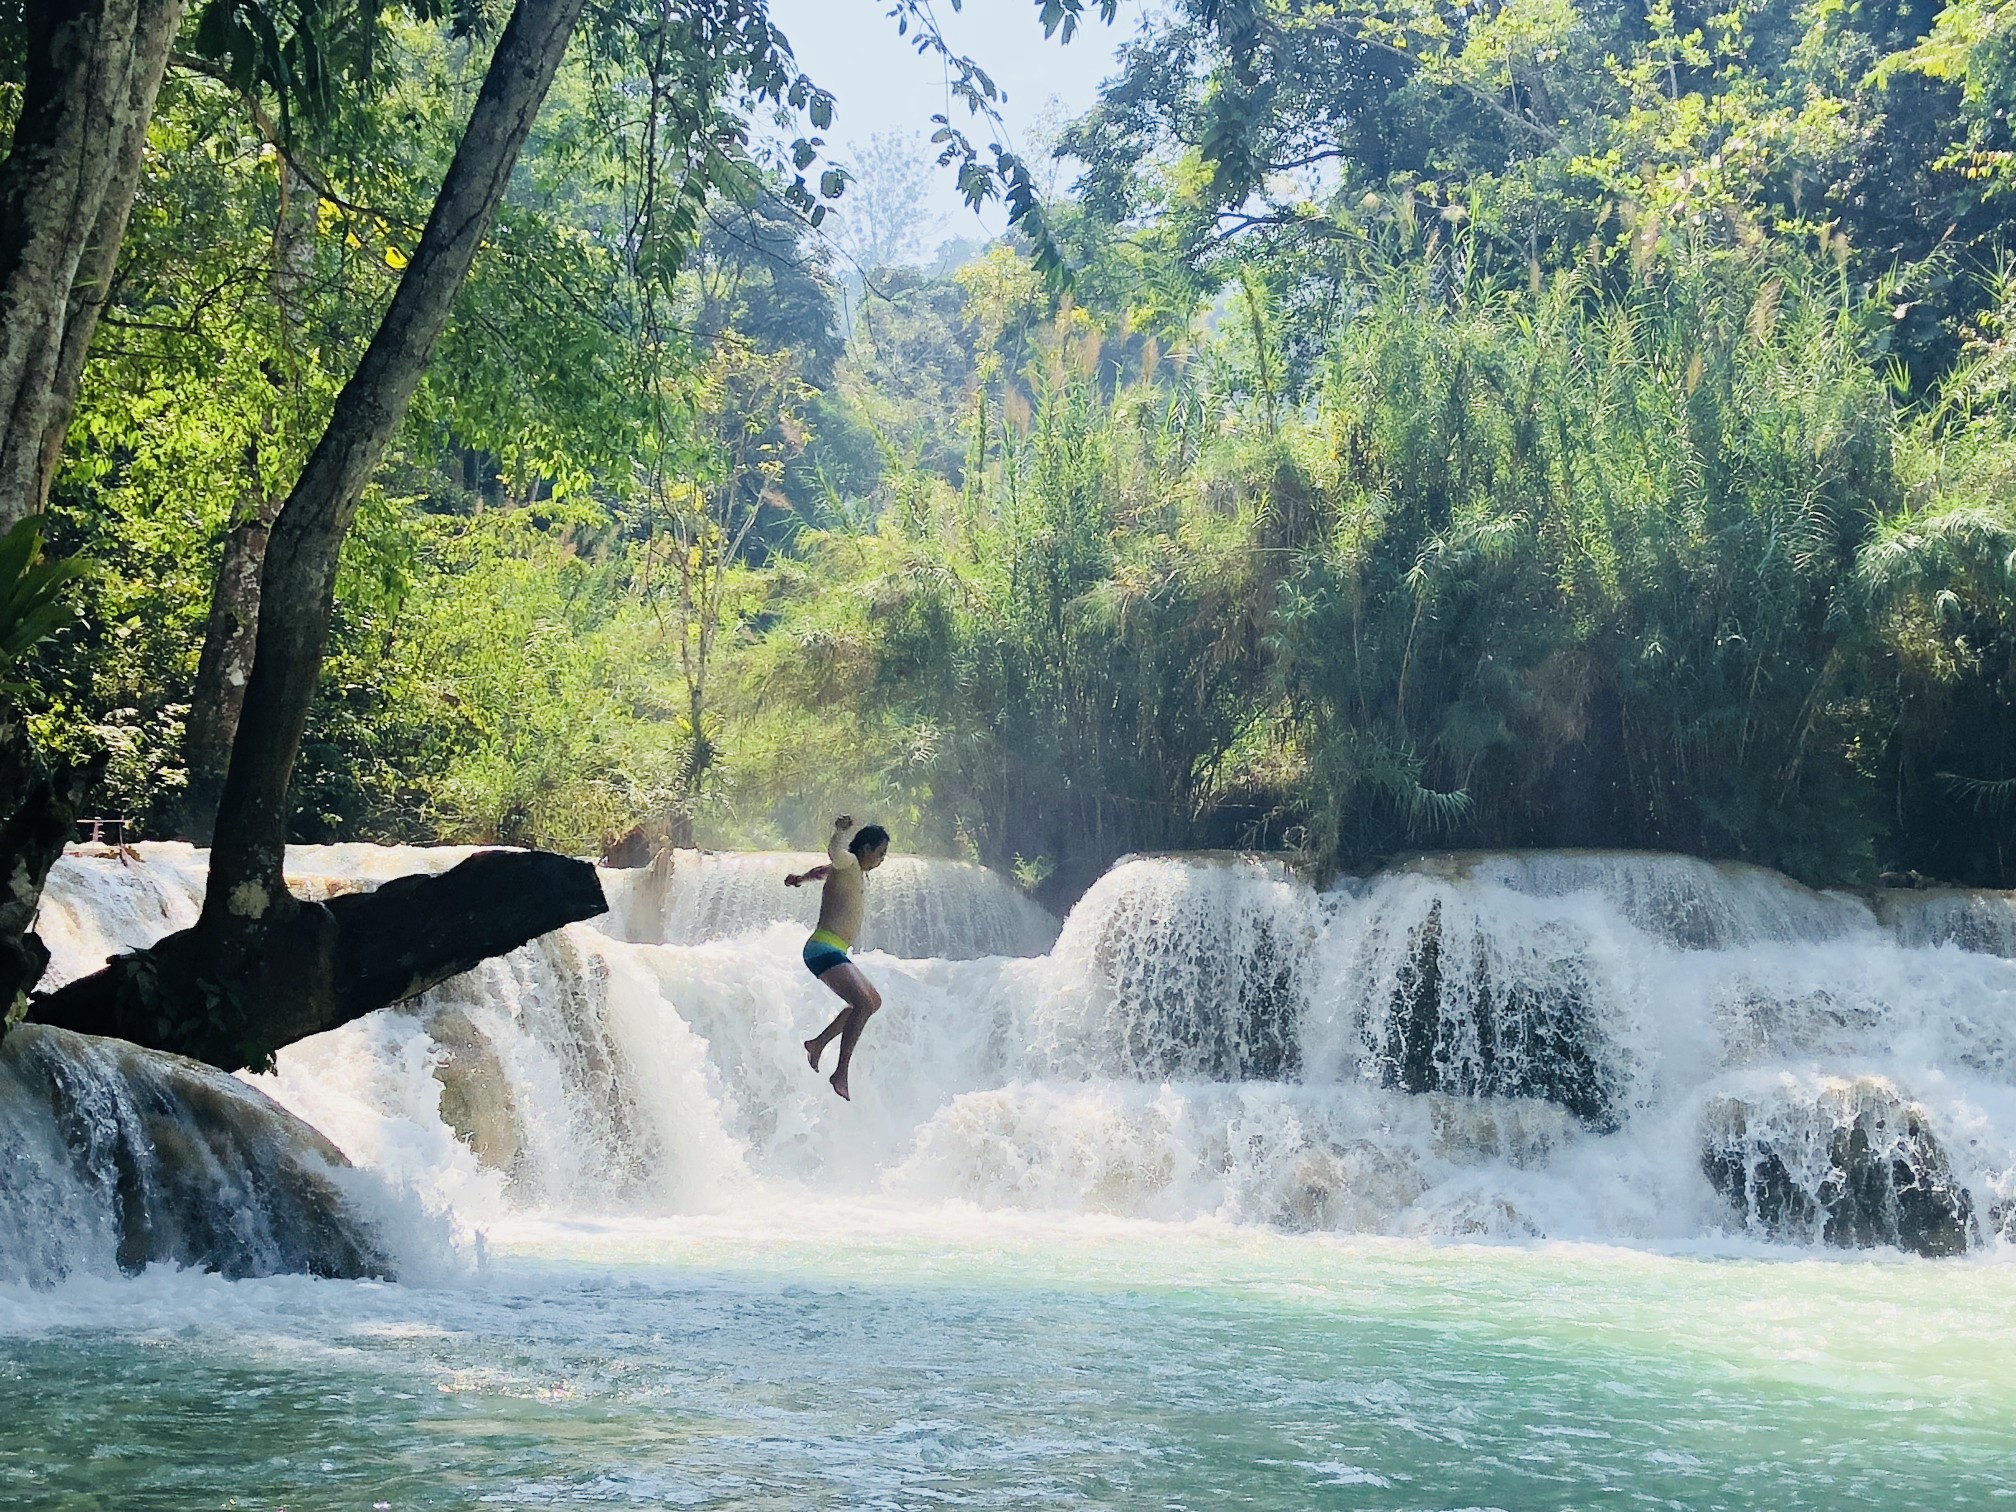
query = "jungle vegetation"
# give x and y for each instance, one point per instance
(1424, 426)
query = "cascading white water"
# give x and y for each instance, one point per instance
(1970, 919)
(1190, 970)
(119, 1158)
(1696, 904)
(1616, 1047)
(922, 907)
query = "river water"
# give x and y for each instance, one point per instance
(1516, 1182)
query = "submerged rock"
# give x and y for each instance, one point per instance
(1470, 1213)
(1354, 1186)
(120, 1157)
(2002, 1219)
(1522, 1132)
(1847, 1163)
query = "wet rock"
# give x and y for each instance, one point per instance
(1852, 1164)
(1973, 919)
(632, 849)
(476, 1100)
(1457, 1022)
(123, 1157)
(1756, 1022)
(549, 1000)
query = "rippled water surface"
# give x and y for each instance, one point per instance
(884, 1359)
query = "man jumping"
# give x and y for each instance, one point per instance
(841, 906)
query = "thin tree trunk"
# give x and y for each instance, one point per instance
(66, 189)
(225, 667)
(299, 585)
(231, 634)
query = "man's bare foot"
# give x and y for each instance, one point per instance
(839, 1080)
(813, 1050)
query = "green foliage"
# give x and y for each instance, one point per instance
(1590, 559)
(1565, 566)
(1557, 136)
(32, 605)
(1522, 424)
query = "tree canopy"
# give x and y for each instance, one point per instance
(1535, 423)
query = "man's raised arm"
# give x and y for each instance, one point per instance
(836, 848)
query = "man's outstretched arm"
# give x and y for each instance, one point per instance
(814, 875)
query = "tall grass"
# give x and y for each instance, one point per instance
(1652, 568)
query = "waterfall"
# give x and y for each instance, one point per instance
(1466, 991)
(920, 906)
(1186, 968)
(1613, 1047)
(1847, 1161)
(119, 1158)
(1964, 917)
(97, 907)
(1688, 902)
(555, 1077)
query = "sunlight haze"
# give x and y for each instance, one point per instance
(882, 85)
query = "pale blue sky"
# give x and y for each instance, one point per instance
(851, 48)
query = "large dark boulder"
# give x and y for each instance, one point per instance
(1851, 1164)
(120, 1158)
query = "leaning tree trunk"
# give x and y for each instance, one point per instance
(263, 968)
(66, 189)
(323, 964)
(301, 556)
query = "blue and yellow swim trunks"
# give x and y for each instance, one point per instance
(824, 951)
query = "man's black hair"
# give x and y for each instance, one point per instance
(867, 838)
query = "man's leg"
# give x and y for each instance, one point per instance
(847, 984)
(862, 1002)
(816, 1046)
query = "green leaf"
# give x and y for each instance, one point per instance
(31, 603)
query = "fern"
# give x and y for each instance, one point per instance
(32, 602)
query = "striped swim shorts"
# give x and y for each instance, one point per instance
(824, 951)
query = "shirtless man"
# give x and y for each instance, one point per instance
(851, 855)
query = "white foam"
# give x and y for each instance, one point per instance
(1504, 1048)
